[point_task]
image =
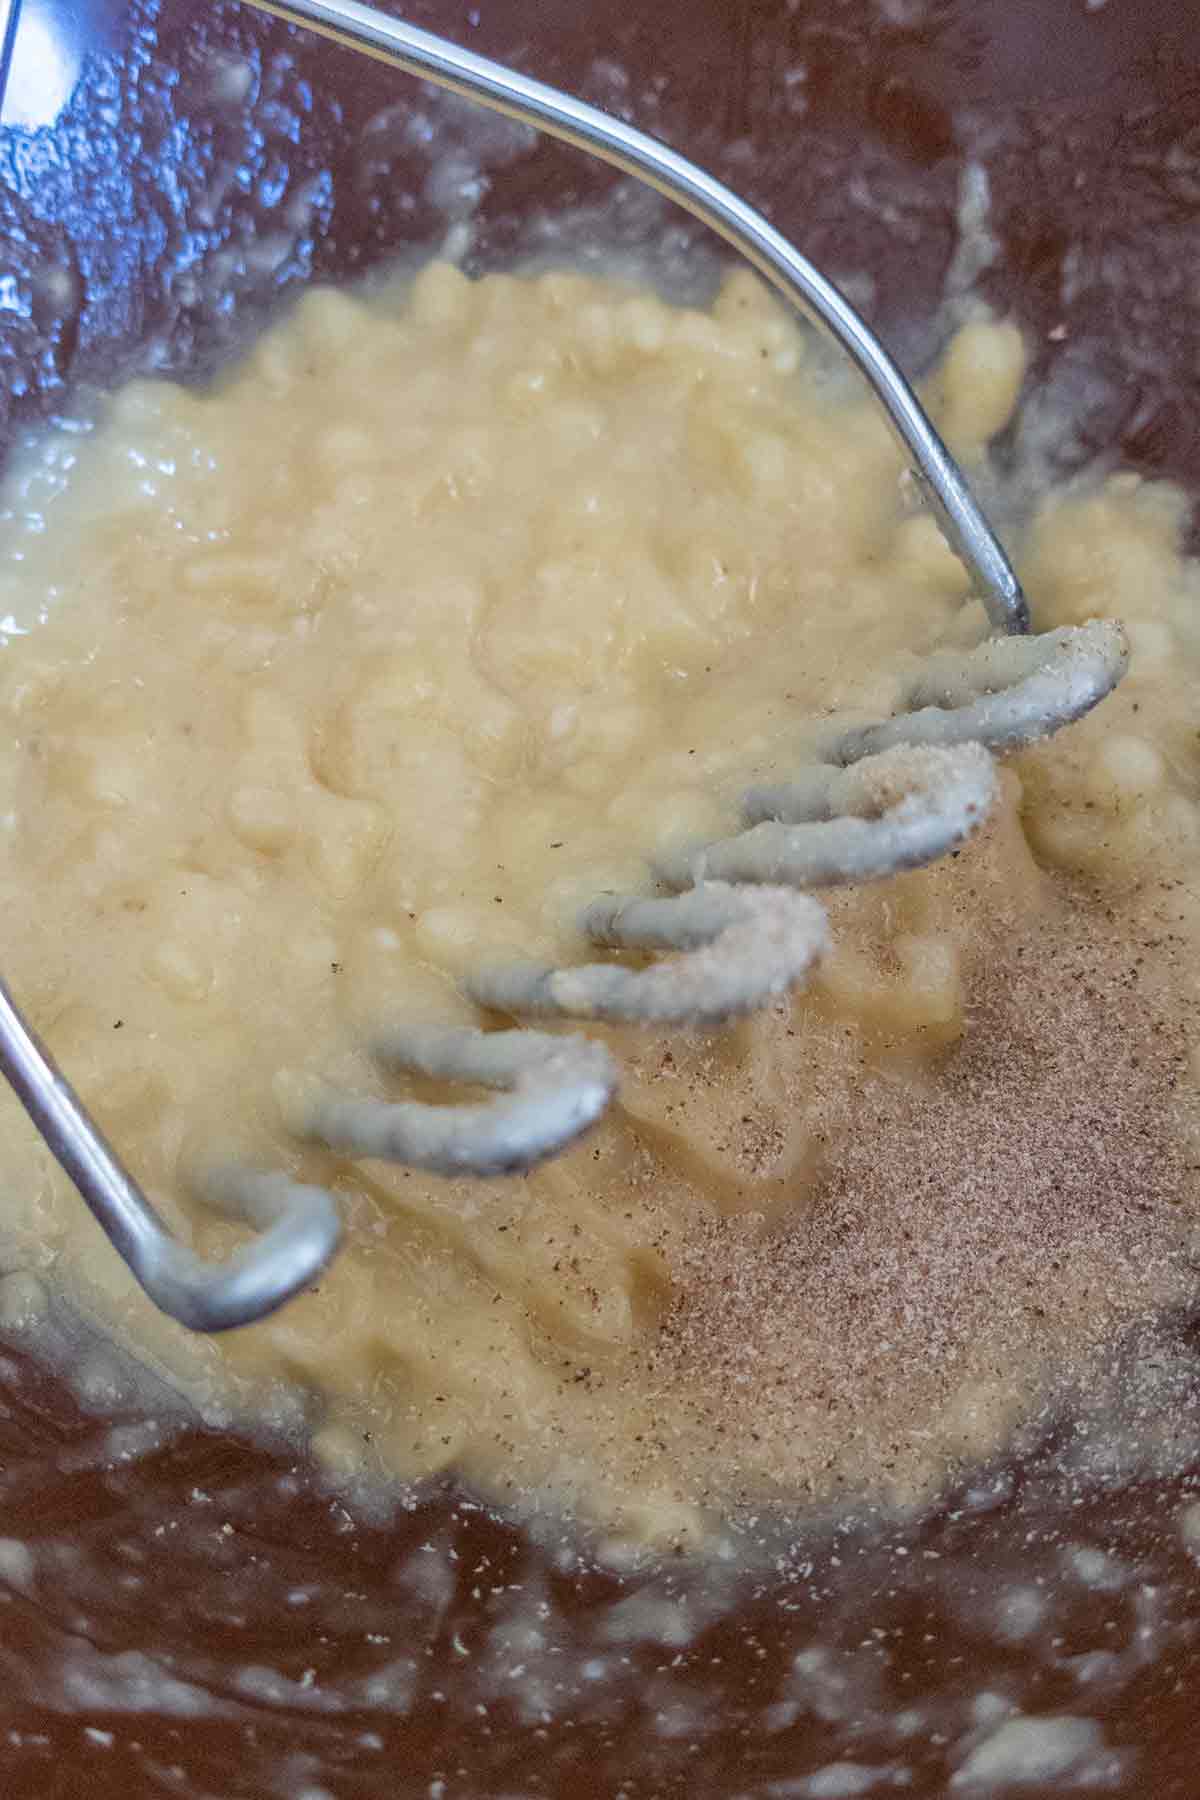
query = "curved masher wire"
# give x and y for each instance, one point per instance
(891, 796)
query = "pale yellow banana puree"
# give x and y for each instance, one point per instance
(438, 616)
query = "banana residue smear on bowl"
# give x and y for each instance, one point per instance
(446, 612)
(220, 1614)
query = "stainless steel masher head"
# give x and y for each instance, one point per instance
(739, 928)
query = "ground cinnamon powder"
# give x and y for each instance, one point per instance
(974, 1242)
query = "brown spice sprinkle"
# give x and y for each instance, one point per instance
(973, 1243)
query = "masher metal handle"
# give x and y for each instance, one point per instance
(302, 1226)
(588, 128)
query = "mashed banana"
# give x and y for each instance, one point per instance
(439, 617)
